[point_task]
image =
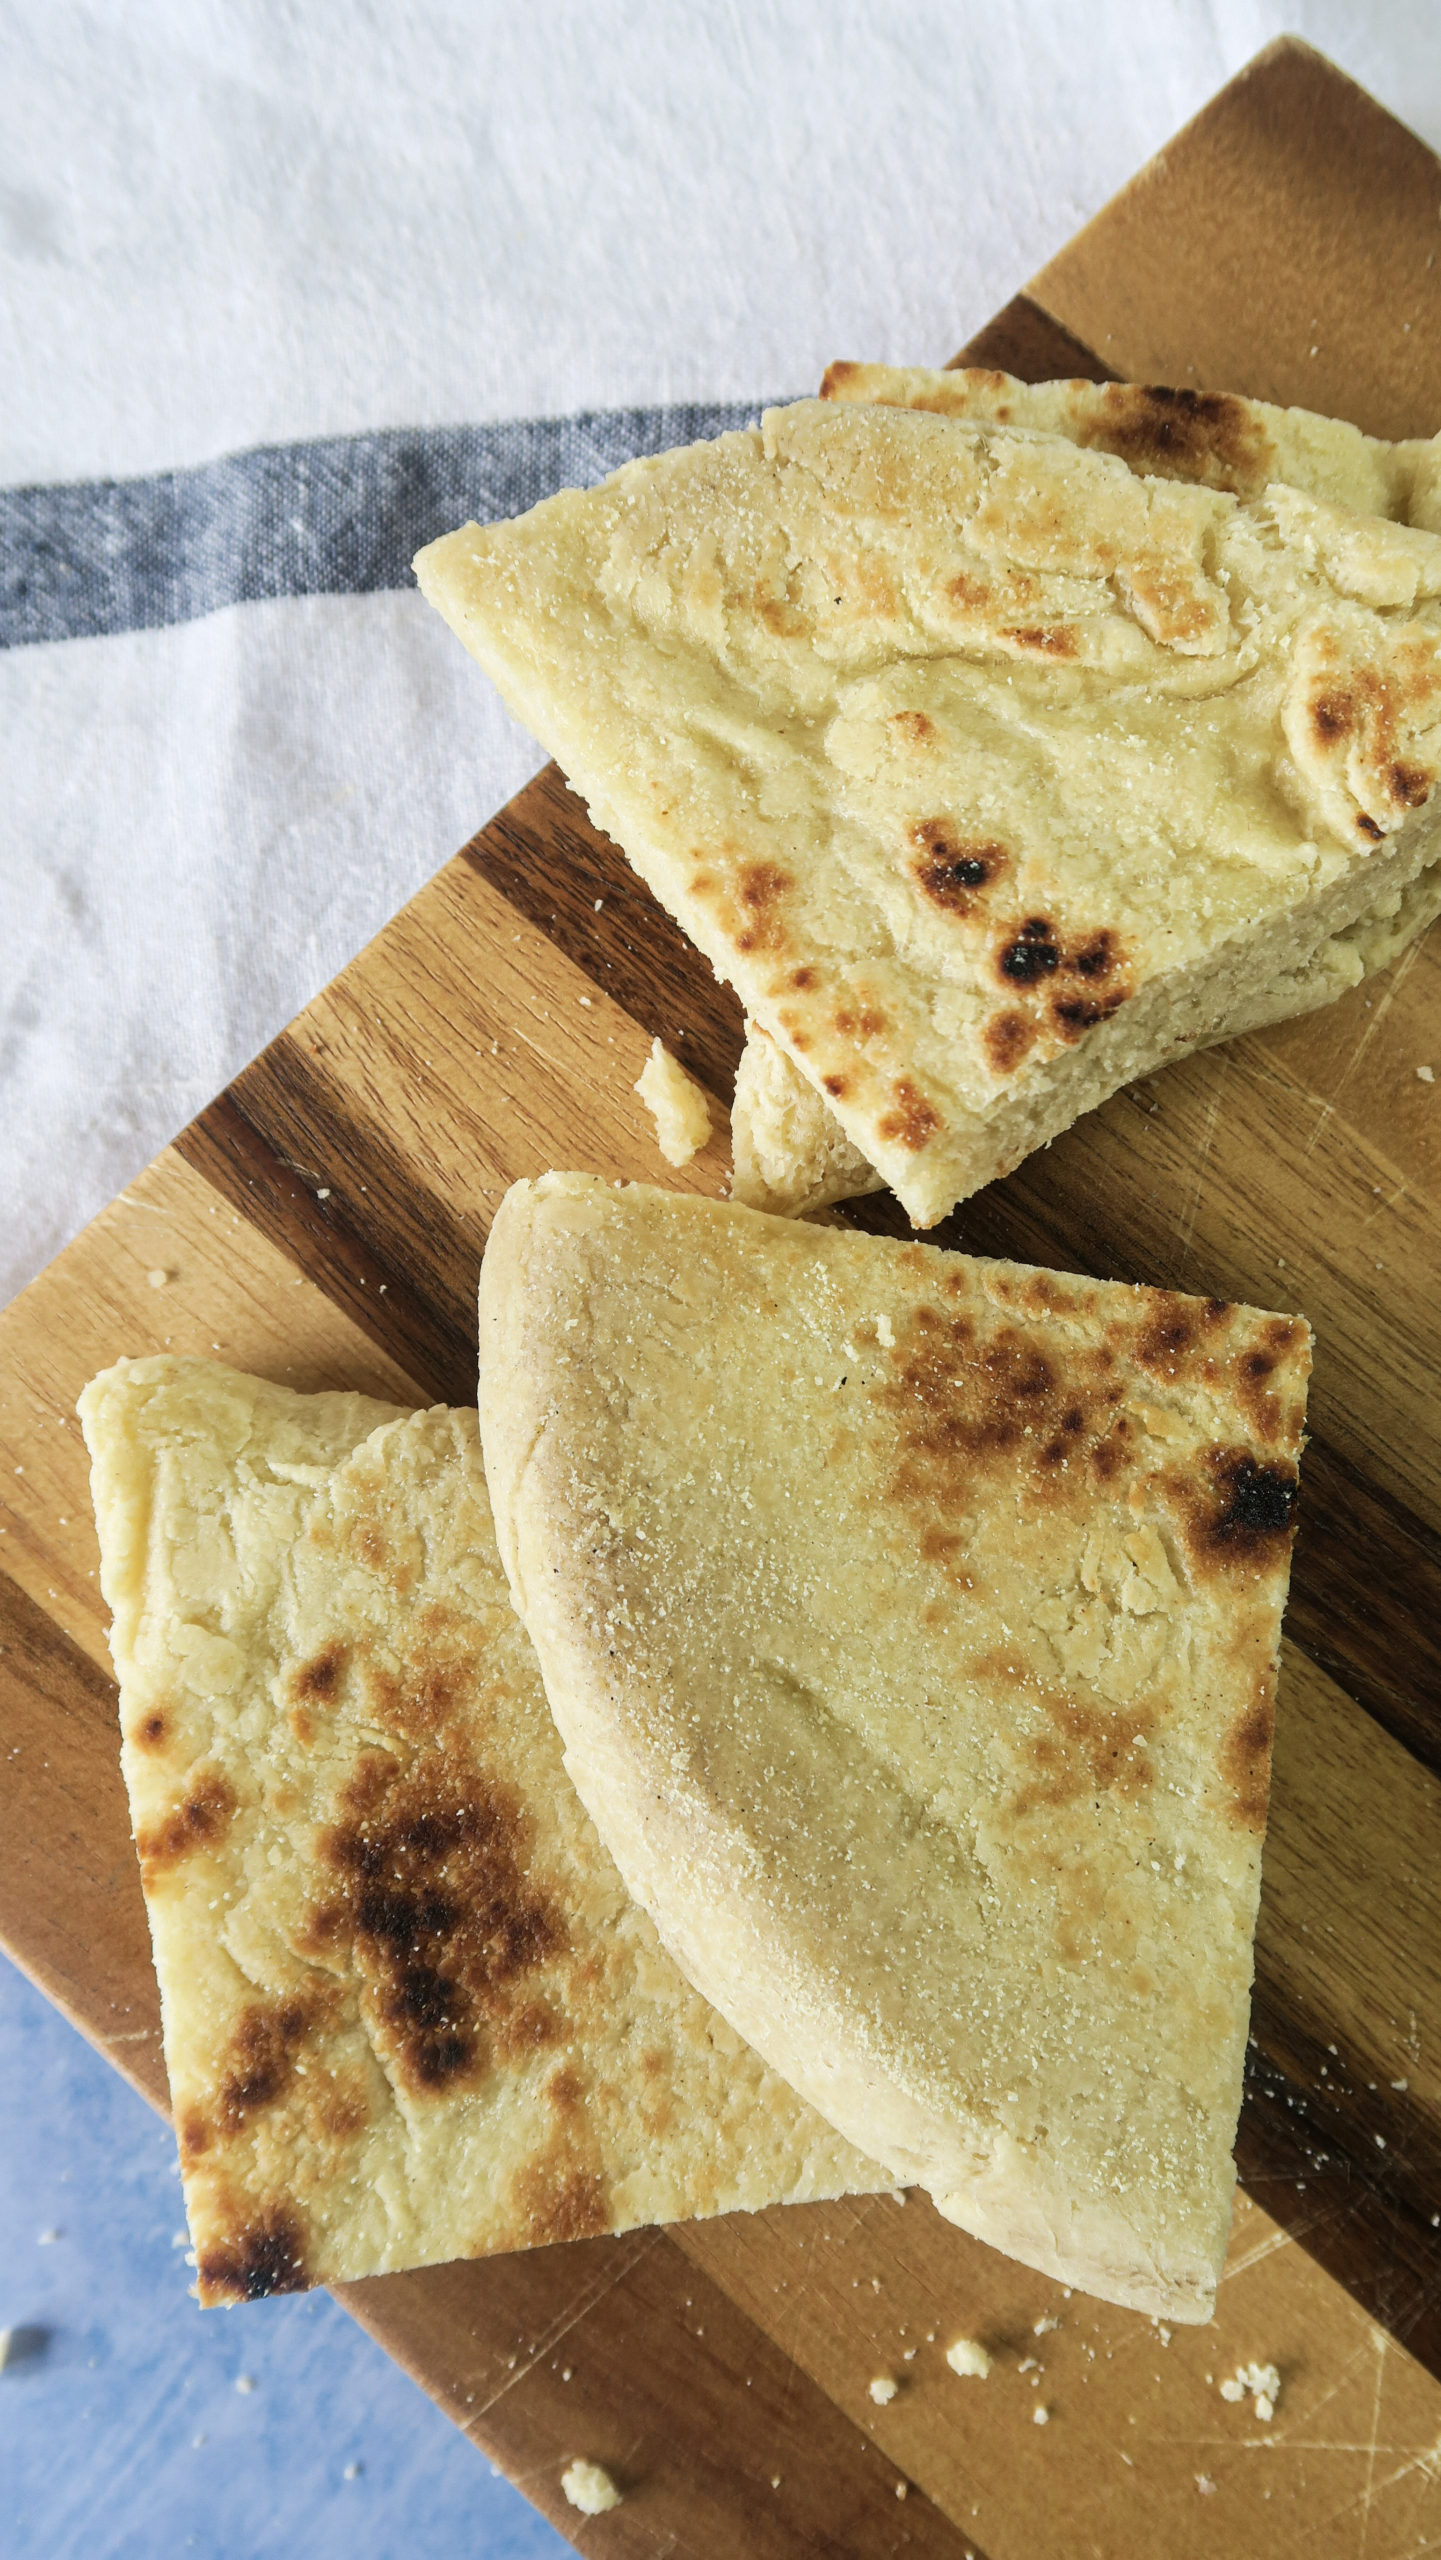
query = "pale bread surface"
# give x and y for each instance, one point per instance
(990, 774)
(912, 1626)
(789, 1151)
(410, 2011)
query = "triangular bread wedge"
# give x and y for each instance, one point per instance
(989, 773)
(912, 1625)
(410, 2012)
(789, 1151)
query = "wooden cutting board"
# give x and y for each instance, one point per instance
(322, 1222)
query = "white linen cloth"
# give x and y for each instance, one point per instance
(285, 289)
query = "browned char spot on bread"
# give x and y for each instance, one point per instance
(763, 888)
(859, 1021)
(565, 2090)
(1209, 437)
(1008, 1037)
(436, 1898)
(1030, 952)
(562, 2201)
(1087, 1752)
(1357, 715)
(1072, 981)
(320, 1678)
(915, 727)
(1236, 1513)
(266, 2255)
(562, 2192)
(951, 869)
(1042, 640)
(200, 1820)
(260, 2063)
(1246, 1755)
(1173, 1327)
(1253, 1371)
(967, 1402)
(912, 1120)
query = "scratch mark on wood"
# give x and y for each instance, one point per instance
(1266, 2248)
(1342, 2378)
(1379, 1011)
(1380, 2342)
(1326, 1113)
(584, 2303)
(1427, 2462)
(1188, 1223)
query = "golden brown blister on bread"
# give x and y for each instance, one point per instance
(410, 2011)
(912, 1624)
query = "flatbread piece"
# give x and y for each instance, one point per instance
(789, 1151)
(410, 2012)
(990, 774)
(912, 1625)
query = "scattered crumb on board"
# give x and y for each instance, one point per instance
(590, 2488)
(676, 1103)
(1262, 2381)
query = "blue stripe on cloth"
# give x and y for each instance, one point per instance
(340, 516)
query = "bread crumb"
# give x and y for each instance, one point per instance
(968, 2356)
(903, 2488)
(158, 1277)
(882, 2389)
(1041, 2417)
(1427, 1074)
(1263, 2381)
(1044, 2326)
(1205, 2484)
(590, 2488)
(676, 1103)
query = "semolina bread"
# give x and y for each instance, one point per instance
(912, 1625)
(990, 773)
(410, 2012)
(790, 1153)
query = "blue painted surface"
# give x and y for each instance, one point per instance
(122, 2432)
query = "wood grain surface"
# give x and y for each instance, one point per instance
(322, 1222)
